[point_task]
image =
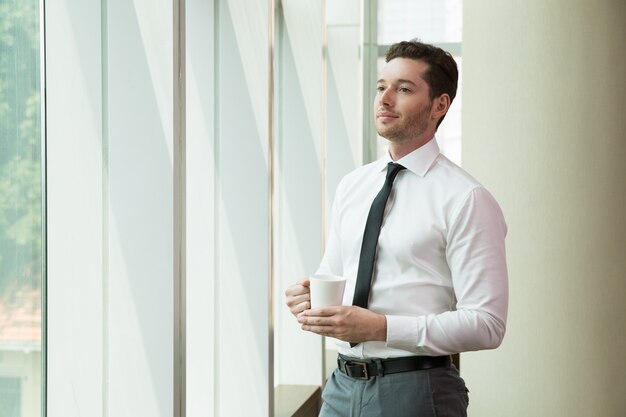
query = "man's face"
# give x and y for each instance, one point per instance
(402, 107)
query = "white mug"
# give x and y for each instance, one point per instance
(326, 290)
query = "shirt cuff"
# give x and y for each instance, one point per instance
(402, 333)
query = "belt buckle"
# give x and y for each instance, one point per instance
(364, 365)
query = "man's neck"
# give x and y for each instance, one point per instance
(398, 150)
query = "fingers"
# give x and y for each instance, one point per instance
(300, 288)
(314, 321)
(321, 325)
(331, 322)
(299, 307)
(321, 330)
(324, 311)
(298, 297)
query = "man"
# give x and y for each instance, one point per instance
(435, 282)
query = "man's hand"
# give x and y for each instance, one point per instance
(348, 323)
(298, 297)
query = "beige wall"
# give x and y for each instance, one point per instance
(544, 128)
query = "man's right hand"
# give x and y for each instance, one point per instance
(298, 297)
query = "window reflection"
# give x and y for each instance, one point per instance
(21, 256)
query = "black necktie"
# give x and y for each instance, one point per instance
(370, 239)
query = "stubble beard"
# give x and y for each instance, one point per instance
(414, 127)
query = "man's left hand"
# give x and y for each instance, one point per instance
(348, 323)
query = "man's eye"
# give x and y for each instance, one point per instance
(380, 88)
(404, 90)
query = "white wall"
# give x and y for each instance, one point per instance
(544, 129)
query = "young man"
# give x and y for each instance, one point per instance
(424, 258)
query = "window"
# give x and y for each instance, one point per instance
(21, 219)
(10, 395)
(439, 23)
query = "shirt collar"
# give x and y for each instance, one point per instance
(419, 161)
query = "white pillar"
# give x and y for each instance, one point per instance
(299, 153)
(201, 208)
(74, 199)
(242, 291)
(344, 103)
(544, 130)
(140, 208)
(110, 208)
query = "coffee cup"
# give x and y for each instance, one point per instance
(326, 290)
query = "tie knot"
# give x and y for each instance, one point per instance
(393, 169)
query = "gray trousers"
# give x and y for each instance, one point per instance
(438, 392)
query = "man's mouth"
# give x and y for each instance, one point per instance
(386, 115)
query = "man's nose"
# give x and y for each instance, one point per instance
(386, 98)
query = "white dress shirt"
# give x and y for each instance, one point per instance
(440, 275)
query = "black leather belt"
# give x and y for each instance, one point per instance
(368, 368)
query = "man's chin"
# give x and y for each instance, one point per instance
(385, 133)
(389, 135)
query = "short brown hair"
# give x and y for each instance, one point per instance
(442, 75)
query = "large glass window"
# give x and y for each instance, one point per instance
(21, 219)
(436, 22)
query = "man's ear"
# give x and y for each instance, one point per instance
(440, 107)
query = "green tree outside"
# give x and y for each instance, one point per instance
(20, 148)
